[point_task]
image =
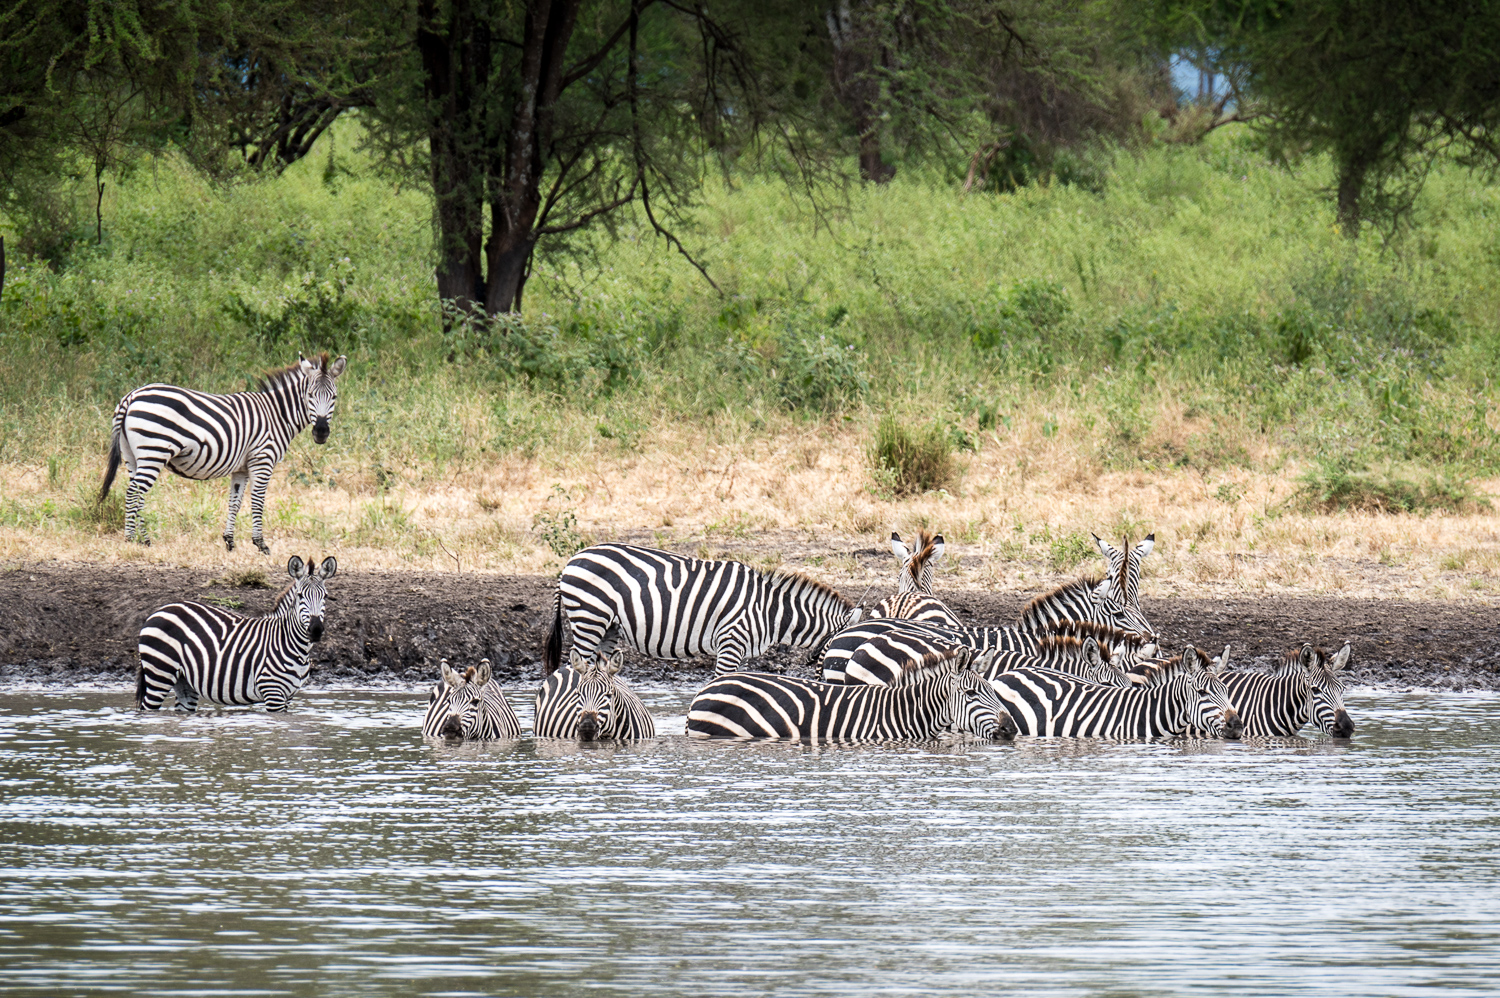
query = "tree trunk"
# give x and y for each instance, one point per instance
(857, 88)
(1351, 186)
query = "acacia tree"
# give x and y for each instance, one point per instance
(1382, 86)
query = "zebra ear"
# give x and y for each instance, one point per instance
(615, 662)
(855, 616)
(449, 676)
(482, 674)
(937, 547)
(1340, 659)
(329, 568)
(307, 365)
(1105, 547)
(337, 367)
(1306, 657)
(1144, 547)
(1222, 661)
(1091, 652)
(899, 549)
(1190, 659)
(575, 660)
(296, 568)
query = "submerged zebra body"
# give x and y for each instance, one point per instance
(195, 650)
(875, 652)
(1304, 688)
(944, 695)
(913, 599)
(672, 607)
(198, 435)
(469, 706)
(1181, 695)
(588, 700)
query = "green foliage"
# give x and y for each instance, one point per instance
(1031, 309)
(1066, 552)
(557, 524)
(1329, 487)
(908, 462)
(315, 314)
(820, 372)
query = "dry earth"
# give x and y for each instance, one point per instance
(68, 623)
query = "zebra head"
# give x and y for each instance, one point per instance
(303, 599)
(321, 394)
(454, 705)
(1328, 692)
(1118, 595)
(917, 566)
(597, 710)
(971, 703)
(1216, 714)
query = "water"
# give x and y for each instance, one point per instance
(329, 852)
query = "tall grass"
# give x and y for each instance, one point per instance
(1201, 311)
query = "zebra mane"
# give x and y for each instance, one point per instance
(933, 663)
(281, 597)
(926, 545)
(1084, 585)
(285, 376)
(793, 579)
(1106, 635)
(1071, 645)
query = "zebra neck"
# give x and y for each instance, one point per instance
(288, 398)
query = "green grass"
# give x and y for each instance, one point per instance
(1202, 285)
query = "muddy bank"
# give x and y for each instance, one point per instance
(70, 623)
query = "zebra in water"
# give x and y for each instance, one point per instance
(196, 650)
(943, 693)
(588, 700)
(874, 652)
(201, 436)
(1304, 688)
(673, 607)
(469, 706)
(1088, 600)
(913, 599)
(1083, 658)
(1181, 694)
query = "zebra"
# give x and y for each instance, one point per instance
(913, 599)
(1182, 694)
(673, 607)
(874, 651)
(201, 436)
(1088, 600)
(196, 650)
(1304, 688)
(1083, 658)
(468, 706)
(944, 693)
(589, 701)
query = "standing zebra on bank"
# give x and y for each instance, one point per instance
(1303, 688)
(672, 607)
(943, 694)
(1182, 694)
(195, 650)
(874, 652)
(201, 436)
(588, 700)
(469, 706)
(913, 599)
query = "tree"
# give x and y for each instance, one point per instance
(1382, 86)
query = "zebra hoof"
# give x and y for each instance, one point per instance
(228, 543)
(264, 547)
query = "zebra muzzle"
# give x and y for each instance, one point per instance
(315, 628)
(1234, 727)
(588, 727)
(320, 431)
(1343, 724)
(453, 727)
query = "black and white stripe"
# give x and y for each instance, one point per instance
(469, 706)
(195, 650)
(200, 436)
(913, 599)
(945, 695)
(874, 652)
(1181, 695)
(1304, 688)
(589, 701)
(671, 607)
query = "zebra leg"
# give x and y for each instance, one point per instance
(729, 653)
(237, 483)
(260, 477)
(187, 697)
(142, 477)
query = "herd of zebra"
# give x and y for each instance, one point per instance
(1082, 660)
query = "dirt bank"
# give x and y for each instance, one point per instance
(70, 622)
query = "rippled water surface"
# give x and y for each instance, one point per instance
(330, 852)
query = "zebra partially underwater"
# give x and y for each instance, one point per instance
(589, 701)
(199, 651)
(1304, 688)
(668, 606)
(201, 436)
(469, 706)
(943, 693)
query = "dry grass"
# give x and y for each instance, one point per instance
(802, 497)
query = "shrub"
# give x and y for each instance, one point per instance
(1328, 488)
(910, 463)
(820, 372)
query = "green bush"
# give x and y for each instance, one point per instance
(912, 462)
(1328, 488)
(821, 372)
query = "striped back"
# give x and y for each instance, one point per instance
(943, 694)
(1082, 658)
(1218, 715)
(589, 701)
(672, 607)
(1089, 600)
(469, 706)
(1304, 688)
(873, 652)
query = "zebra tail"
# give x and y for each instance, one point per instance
(140, 684)
(114, 466)
(552, 652)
